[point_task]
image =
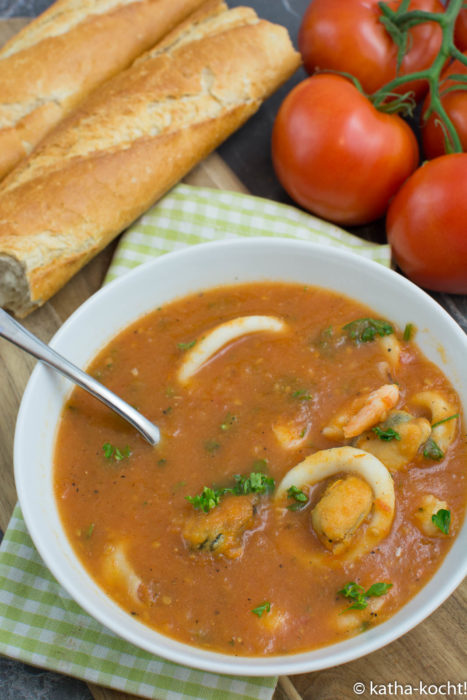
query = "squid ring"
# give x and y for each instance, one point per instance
(326, 463)
(439, 409)
(219, 336)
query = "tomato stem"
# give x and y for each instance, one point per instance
(397, 23)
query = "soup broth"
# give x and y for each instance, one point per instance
(199, 537)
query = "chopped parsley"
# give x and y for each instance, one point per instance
(260, 609)
(257, 482)
(301, 395)
(301, 499)
(359, 596)
(445, 420)
(364, 330)
(442, 520)
(432, 450)
(387, 434)
(112, 452)
(209, 498)
(186, 346)
(408, 332)
(89, 531)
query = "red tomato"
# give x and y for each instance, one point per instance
(460, 31)
(427, 225)
(347, 35)
(336, 155)
(455, 104)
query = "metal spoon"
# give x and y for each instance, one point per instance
(11, 330)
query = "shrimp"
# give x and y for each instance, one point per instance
(375, 410)
(363, 412)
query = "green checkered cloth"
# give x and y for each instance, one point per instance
(39, 623)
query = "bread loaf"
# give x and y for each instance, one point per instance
(64, 54)
(128, 143)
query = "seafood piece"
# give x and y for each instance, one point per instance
(345, 504)
(119, 573)
(352, 620)
(207, 346)
(290, 435)
(327, 463)
(221, 530)
(429, 506)
(439, 409)
(362, 413)
(392, 350)
(397, 453)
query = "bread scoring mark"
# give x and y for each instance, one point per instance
(59, 19)
(198, 91)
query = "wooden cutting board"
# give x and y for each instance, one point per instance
(434, 652)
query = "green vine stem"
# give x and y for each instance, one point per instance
(397, 23)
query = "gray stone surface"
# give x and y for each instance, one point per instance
(21, 682)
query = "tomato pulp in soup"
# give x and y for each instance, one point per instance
(309, 481)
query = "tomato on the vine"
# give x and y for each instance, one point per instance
(455, 104)
(336, 155)
(347, 35)
(427, 225)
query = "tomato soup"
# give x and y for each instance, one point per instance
(309, 481)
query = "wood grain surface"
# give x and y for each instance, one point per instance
(434, 652)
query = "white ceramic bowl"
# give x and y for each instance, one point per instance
(175, 275)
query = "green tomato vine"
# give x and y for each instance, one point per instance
(398, 23)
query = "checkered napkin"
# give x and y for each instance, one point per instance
(39, 622)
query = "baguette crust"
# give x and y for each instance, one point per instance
(129, 143)
(72, 48)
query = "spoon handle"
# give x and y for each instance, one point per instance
(14, 332)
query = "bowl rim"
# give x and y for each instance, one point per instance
(179, 652)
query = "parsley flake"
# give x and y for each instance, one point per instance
(442, 520)
(432, 450)
(387, 434)
(359, 596)
(301, 395)
(186, 346)
(408, 332)
(112, 452)
(260, 609)
(364, 330)
(445, 420)
(301, 499)
(209, 498)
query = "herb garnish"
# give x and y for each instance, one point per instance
(432, 450)
(264, 607)
(257, 482)
(445, 420)
(408, 332)
(89, 531)
(386, 434)
(360, 597)
(209, 498)
(301, 499)
(442, 520)
(364, 330)
(186, 346)
(110, 451)
(301, 395)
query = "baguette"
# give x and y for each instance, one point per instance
(129, 143)
(64, 54)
